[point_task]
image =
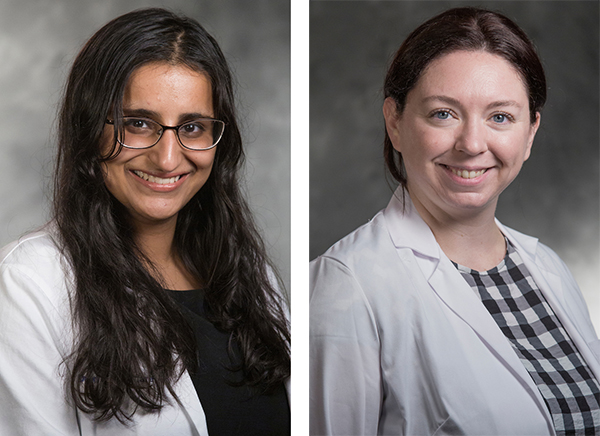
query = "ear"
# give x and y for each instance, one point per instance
(533, 128)
(392, 118)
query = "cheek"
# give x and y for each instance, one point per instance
(422, 142)
(204, 159)
(115, 173)
(512, 149)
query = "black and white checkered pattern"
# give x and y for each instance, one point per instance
(567, 385)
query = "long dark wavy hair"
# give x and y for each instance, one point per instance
(456, 29)
(132, 343)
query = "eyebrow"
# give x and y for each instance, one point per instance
(146, 113)
(453, 101)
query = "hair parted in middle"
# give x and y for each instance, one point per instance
(469, 29)
(131, 341)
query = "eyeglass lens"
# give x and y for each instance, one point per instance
(198, 134)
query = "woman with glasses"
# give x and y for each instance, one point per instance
(434, 318)
(147, 306)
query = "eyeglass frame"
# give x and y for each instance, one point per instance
(175, 129)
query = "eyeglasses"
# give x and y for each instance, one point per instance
(199, 134)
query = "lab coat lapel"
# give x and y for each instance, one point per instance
(190, 405)
(449, 285)
(456, 293)
(408, 230)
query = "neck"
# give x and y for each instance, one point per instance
(470, 238)
(156, 242)
(156, 239)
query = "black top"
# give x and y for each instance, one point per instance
(230, 409)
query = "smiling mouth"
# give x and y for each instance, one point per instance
(154, 179)
(466, 174)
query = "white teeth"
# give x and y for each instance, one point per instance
(154, 179)
(467, 174)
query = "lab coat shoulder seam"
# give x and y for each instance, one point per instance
(20, 245)
(363, 295)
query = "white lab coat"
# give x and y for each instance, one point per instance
(36, 335)
(401, 345)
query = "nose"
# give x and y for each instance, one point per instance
(471, 138)
(167, 153)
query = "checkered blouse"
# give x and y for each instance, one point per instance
(567, 385)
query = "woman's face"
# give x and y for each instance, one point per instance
(154, 184)
(464, 133)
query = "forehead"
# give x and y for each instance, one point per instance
(471, 76)
(162, 83)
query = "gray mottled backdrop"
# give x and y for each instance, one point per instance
(556, 195)
(39, 40)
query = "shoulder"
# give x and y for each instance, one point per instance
(349, 259)
(33, 267)
(365, 244)
(551, 261)
(367, 259)
(353, 277)
(554, 279)
(35, 337)
(30, 248)
(544, 262)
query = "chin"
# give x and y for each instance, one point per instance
(154, 216)
(472, 202)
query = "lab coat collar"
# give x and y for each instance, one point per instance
(527, 248)
(407, 229)
(409, 232)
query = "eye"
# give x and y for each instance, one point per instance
(138, 126)
(441, 115)
(193, 129)
(501, 118)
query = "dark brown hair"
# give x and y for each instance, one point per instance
(132, 343)
(460, 29)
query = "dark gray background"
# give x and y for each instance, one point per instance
(556, 196)
(38, 42)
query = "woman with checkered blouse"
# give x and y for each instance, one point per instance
(434, 318)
